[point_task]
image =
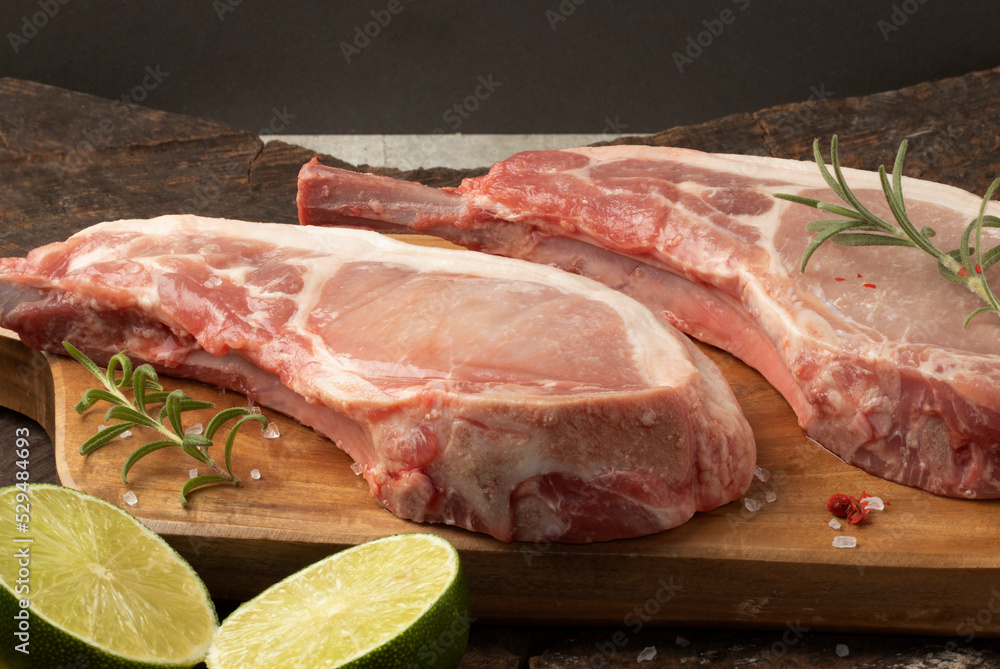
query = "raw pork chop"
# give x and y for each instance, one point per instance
(867, 346)
(494, 394)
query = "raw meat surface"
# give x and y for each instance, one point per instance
(867, 346)
(493, 394)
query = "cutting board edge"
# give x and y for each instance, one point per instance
(590, 592)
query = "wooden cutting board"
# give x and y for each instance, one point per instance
(923, 565)
(926, 564)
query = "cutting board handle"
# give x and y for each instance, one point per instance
(28, 386)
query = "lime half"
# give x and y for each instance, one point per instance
(100, 588)
(400, 601)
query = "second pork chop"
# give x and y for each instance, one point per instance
(867, 346)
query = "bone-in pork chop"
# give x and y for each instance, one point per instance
(494, 394)
(867, 346)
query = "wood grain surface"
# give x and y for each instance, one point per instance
(927, 564)
(916, 567)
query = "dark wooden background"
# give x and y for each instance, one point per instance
(68, 160)
(560, 65)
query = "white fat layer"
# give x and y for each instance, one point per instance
(661, 357)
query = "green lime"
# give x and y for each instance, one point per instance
(400, 601)
(101, 589)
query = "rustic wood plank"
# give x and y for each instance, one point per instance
(953, 128)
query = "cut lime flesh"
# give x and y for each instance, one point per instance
(100, 581)
(396, 601)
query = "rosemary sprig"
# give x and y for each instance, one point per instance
(132, 413)
(965, 265)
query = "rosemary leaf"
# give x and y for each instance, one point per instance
(845, 191)
(990, 258)
(830, 231)
(142, 452)
(139, 391)
(103, 437)
(130, 415)
(869, 239)
(195, 445)
(964, 252)
(199, 481)
(191, 404)
(172, 408)
(88, 364)
(219, 419)
(179, 405)
(126, 365)
(980, 310)
(825, 224)
(232, 435)
(92, 396)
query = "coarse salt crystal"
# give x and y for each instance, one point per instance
(130, 497)
(843, 650)
(192, 473)
(873, 504)
(126, 434)
(101, 427)
(762, 474)
(271, 431)
(255, 474)
(751, 504)
(682, 642)
(213, 281)
(834, 523)
(647, 654)
(356, 468)
(844, 541)
(197, 428)
(770, 496)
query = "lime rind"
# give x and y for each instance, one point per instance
(397, 601)
(133, 577)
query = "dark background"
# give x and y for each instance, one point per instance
(554, 66)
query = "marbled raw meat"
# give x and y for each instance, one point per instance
(493, 394)
(867, 346)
